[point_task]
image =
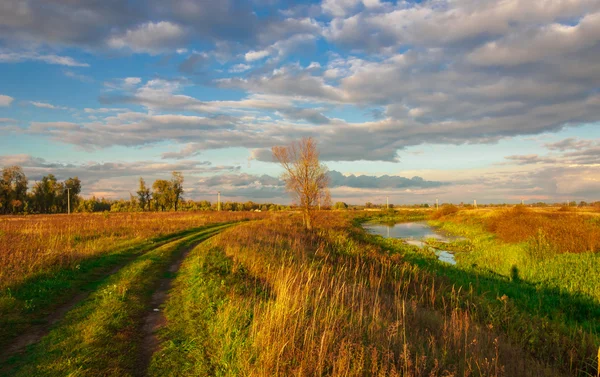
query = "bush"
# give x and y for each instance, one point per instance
(445, 211)
(340, 205)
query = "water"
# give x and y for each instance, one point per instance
(414, 233)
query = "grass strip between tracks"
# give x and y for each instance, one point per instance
(31, 302)
(101, 335)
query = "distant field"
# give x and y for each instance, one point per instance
(186, 294)
(34, 244)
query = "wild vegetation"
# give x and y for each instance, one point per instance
(46, 260)
(547, 262)
(268, 297)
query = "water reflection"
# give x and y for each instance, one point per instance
(414, 233)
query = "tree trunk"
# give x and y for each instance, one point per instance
(307, 219)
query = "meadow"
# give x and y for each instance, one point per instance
(255, 294)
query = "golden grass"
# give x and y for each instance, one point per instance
(34, 244)
(564, 230)
(337, 307)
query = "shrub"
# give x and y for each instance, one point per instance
(445, 211)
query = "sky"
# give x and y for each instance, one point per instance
(455, 100)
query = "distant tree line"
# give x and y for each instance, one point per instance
(47, 196)
(50, 195)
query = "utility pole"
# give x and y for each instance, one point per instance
(387, 202)
(475, 203)
(218, 200)
(437, 204)
(68, 201)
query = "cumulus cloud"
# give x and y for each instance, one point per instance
(395, 75)
(5, 100)
(340, 8)
(256, 55)
(194, 63)
(151, 37)
(534, 45)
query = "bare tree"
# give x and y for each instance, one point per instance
(305, 177)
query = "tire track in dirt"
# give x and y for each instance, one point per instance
(37, 331)
(155, 319)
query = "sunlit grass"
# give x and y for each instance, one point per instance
(267, 299)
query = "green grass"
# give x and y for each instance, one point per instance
(550, 307)
(573, 274)
(30, 302)
(100, 337)
(389, 217)
(268, 299)
(209, 315)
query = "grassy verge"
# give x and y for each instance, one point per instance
(268, 299)
(209, 315)
(532, 261)
(547, 303)
(101, 335)
(32, 300)
(554, 327)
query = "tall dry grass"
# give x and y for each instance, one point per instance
(34, 244)
(341, 307)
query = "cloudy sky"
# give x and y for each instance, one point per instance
(494, 100)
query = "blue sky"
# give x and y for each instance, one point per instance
(487, 100)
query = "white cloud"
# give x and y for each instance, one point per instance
(102, 110)
(5, 100)
(340, 8)
(548, 41)
(190, 150)
(132, 81)
(45, 105)
(256, 55)
(240, 68)
(17, 57)
(151, 37)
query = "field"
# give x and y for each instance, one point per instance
(254, 294)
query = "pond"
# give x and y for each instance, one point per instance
(414, 233)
